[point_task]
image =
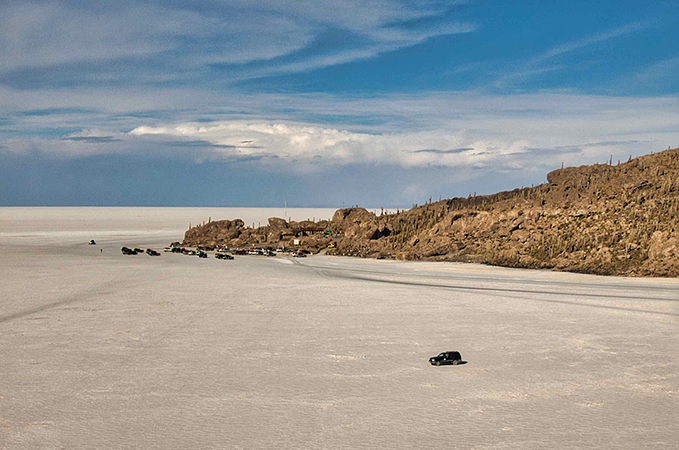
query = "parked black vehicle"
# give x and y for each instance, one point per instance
(223, 256)
(202, 254)
(128, 251)
(92, 242)
(446, 358)
(151, 252)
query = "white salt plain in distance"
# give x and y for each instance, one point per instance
(101, 350)
(70, 225)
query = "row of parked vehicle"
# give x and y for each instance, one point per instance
(184, 251)
(220, 253)
(254, 251)
(136, 251)
(267, 252)
(199, 252)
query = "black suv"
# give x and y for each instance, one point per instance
(453, 358)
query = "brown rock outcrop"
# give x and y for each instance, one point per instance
(213, 233)
(234, 233)
(603, 219)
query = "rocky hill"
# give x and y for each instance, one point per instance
(605, 219)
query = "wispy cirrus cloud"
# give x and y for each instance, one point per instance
(379, 43)
(591, 40)
(149, 42)
(544, 63)
(658, 77)
(45, 33)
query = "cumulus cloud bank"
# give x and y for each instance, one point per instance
(311, 145)
(529, 132)
(483, 133)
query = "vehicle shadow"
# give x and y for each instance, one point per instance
(459, 363)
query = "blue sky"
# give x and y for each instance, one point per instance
(324, 103)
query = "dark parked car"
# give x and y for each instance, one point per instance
(445, 358)
(151, 252)
(223, 256)
(92, 242)
(202, 254)
(128, 251)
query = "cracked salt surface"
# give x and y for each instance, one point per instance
(101, 350)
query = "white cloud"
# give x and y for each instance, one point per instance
(659, 76)
(586, 42)
(533, 132)
(45, 33)
(303, 146)
(180, 42)
(53, 149)
(535, 66)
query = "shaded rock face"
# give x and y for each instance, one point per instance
(602, 219)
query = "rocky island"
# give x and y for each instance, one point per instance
(603, 219)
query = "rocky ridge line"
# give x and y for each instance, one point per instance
(604, 219)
